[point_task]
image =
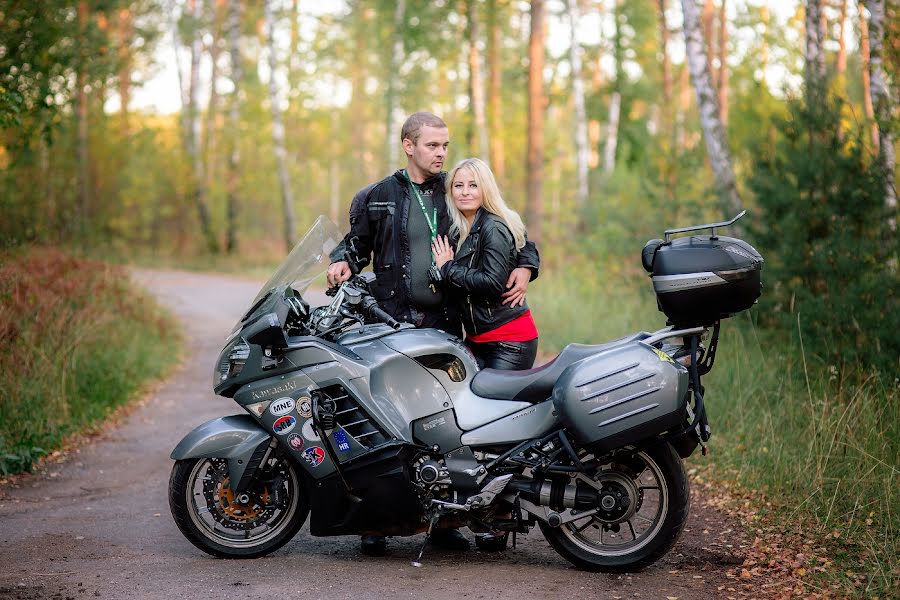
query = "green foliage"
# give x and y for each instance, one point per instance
(821, 445)
(80, 342)
(820, 231)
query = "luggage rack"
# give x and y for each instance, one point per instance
(713, 226)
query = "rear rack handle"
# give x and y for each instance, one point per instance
(713, 226)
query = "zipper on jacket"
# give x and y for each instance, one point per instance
(472, 315)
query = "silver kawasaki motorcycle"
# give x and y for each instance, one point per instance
(363, 424)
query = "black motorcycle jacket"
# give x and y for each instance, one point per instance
(379, 217)
(477, 275)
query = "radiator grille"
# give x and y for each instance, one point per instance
(355, 420)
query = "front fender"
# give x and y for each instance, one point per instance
(237, 438)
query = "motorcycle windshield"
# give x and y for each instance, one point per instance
(309, 259)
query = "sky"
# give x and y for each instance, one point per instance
(160, 92)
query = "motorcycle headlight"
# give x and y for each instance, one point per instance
(233, 362)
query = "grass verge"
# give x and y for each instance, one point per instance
(810, 451)
(79, 341)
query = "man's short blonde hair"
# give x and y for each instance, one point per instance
(412, 128)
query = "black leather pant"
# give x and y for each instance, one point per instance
(514, 356)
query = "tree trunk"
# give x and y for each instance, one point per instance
(124, 57)
(612, 133)
(535, 160)
(815, 49)
(884, 109)
(196, 156)
(723, 64)
(866, 66)
(476, 82)
(392, 129)
(232, 203)
(81, 100)
(581, 134)
(287, 198)
(495, 76)
(713, 131)
(210, 146)
(709, 14)
(615, 101)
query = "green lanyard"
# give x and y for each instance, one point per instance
(433, 221)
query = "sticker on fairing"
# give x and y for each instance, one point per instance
(314, 456)
(296, 442)
(310, 433)
(304, 407)
(663, 356)
(343, 443)
(284, 424)
(282, 406)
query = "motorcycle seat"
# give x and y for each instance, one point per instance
(535, 385)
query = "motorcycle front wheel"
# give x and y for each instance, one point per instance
(254, 523)
(644, 504)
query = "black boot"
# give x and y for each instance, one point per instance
(449, 539)
(373, 545)
(491, 542)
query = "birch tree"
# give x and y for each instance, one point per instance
(713, 131)
(191, 120)
(232, 203)
(287, 198)
(535, 156)
(615, 99)
(581, 133)
(884, 108)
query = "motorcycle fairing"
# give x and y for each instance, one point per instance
(383, 498)
(533, 421)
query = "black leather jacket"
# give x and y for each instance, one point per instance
(379, 216)
(476, 277)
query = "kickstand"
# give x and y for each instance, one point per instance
(418, 561)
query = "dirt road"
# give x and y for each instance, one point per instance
(98, 525)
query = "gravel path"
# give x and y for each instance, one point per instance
(96, 523)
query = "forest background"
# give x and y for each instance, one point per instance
(211, 133)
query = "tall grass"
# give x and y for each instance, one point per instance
(817, 445)
(77, 342)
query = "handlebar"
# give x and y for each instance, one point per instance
(373, 310)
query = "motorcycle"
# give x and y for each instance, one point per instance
(365, 424)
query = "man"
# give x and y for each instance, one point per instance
(396, 220)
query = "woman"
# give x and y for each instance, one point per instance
(488, 236)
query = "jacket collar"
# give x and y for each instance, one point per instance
(468, 246)
(433, 182)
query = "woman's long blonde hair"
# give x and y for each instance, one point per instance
(492, 201)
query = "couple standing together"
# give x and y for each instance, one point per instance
(450, 254)
(411, 222)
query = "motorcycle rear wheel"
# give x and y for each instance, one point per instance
(214, 520)
(645, 530)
